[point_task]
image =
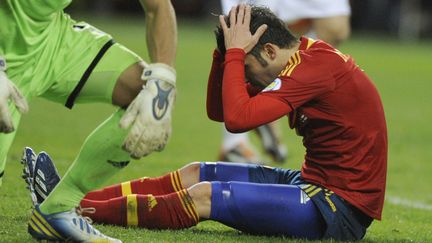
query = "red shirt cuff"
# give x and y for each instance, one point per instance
(233, 54)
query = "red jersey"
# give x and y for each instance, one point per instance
(330, 102)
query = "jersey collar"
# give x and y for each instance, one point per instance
(305, 43)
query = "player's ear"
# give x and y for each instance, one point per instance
(270, 50)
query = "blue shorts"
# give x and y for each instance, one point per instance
(343, 221)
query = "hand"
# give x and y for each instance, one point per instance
(238, 35)
(9, 92)
(150, 112)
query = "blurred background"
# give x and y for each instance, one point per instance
(404, 19)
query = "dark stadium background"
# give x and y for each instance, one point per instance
(405, 19)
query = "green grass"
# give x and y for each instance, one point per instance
(401, 72)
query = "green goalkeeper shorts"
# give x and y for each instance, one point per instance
(97, 82)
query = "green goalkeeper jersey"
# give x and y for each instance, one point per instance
(43, 46)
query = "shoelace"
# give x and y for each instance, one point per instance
(80, 211)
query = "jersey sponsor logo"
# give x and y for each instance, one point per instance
(160, 102)
(275, 85)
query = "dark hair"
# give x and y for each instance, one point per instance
(277, 32)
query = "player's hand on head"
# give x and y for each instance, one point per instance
(238, 34)
(9, 93)
(149, 114)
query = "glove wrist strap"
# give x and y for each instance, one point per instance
(159, 71)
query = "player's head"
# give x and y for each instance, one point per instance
(276, 34)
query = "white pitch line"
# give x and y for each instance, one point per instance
(408, 203)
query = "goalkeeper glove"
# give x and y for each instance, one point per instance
(9, 92)
(149, 114)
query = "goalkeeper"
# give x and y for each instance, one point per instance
(43, 52)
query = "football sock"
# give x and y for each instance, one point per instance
(100, 158)
(266, 209)
(171, 211)
(157, 186)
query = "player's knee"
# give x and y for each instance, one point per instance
(190, 174)
(201, 196)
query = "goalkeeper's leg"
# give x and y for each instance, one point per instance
(100, 158)
(101, 155)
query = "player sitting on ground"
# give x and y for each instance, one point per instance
(261, 72)
(230, 193)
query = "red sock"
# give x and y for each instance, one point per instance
(157, 186)
(110, 211)
(171, 211)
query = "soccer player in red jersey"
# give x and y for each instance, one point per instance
(260, 73)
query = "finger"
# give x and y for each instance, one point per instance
(129, 144)
(129, 116)
(247, 16)
(260, 31)
(240, 14)
(232, 16)
(223, 24)
(19, 100)
(6, 125)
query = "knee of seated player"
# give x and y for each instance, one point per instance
(201, 196)
(128, 85)
(190, 174)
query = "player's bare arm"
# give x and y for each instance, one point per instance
(149, 114)
(161, 30)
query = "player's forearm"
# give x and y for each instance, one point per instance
(161, 30)
(242, 112)
(214, 89)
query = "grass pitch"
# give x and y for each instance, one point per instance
(402, 73)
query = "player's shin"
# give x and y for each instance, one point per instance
(157, 186)
(99, 159)
(171, 211)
